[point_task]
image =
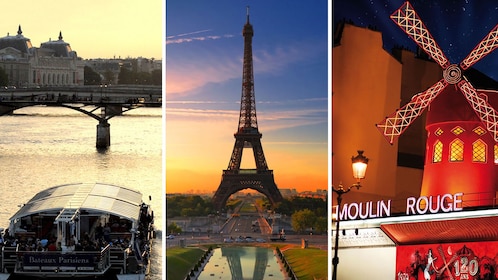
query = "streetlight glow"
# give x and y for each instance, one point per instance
(359, 165)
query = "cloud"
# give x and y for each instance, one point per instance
(290, 119)
(189, 33)
(188, 73)
(273, 120)
(184, 76)
(182, 38)
(200, 113)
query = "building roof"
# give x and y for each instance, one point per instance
(478, 226)
(85, 197)
(59, 47)
(18, 42)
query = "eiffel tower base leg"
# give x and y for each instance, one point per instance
(232, 183)
(103, 135)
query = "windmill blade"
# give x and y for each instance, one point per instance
(399, 121)
(487, 45)
(486, 112)
(406, 18)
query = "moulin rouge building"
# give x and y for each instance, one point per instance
(427, 208)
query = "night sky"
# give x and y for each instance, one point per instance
(456, 25)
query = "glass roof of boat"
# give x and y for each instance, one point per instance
(92, 198)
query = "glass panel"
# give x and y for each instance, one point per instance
(438, 152)
(496, 153)
(479, 151)
(456, 150)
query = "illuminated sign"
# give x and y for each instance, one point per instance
(458, 261)
(414, 206)
(441, 203)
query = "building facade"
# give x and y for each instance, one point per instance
(427, 207)
(54, 63)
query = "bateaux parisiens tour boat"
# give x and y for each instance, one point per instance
(79, 230)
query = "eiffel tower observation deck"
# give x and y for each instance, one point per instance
(234, 178)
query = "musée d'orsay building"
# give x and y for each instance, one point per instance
(54, 63)
(427, 206)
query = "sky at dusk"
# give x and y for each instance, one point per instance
(456, 25)
(94, 28)
(204, 50)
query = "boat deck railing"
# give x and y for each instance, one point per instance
(82, 262)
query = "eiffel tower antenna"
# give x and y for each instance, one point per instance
(234, 178)
(247, 119)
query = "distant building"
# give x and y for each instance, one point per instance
(53, 64)
(286, 193)
(109, 68)
(318, 194)
(289, 193)
(370, 80)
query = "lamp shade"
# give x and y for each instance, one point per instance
(359, 165)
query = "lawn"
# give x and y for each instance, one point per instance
(309, 263)
(179, 261)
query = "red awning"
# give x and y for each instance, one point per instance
(443, 230)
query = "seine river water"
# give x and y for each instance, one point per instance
(42, 147)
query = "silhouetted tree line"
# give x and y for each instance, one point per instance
(188, 206)
(307, 214)
(306, 220)
(91, 77)
(173, 228)
(125, 76)
(288, 206)
(129, 77)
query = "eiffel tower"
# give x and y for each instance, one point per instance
(234, 178)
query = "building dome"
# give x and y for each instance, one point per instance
(18, 42)
(59, 48)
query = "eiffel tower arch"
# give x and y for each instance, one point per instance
(234, 178)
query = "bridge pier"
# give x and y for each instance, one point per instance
(4, 110)
(103, 135)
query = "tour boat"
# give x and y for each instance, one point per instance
(79, 230)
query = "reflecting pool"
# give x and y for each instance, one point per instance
(250, 263)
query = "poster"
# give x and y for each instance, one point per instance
(457, 261)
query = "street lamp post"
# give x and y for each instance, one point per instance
(102, 86)
(359, 169)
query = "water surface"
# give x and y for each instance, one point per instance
(41, 147)
(250, 263)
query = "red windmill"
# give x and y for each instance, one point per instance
(461, 145)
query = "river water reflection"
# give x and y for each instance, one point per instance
(242, 263)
